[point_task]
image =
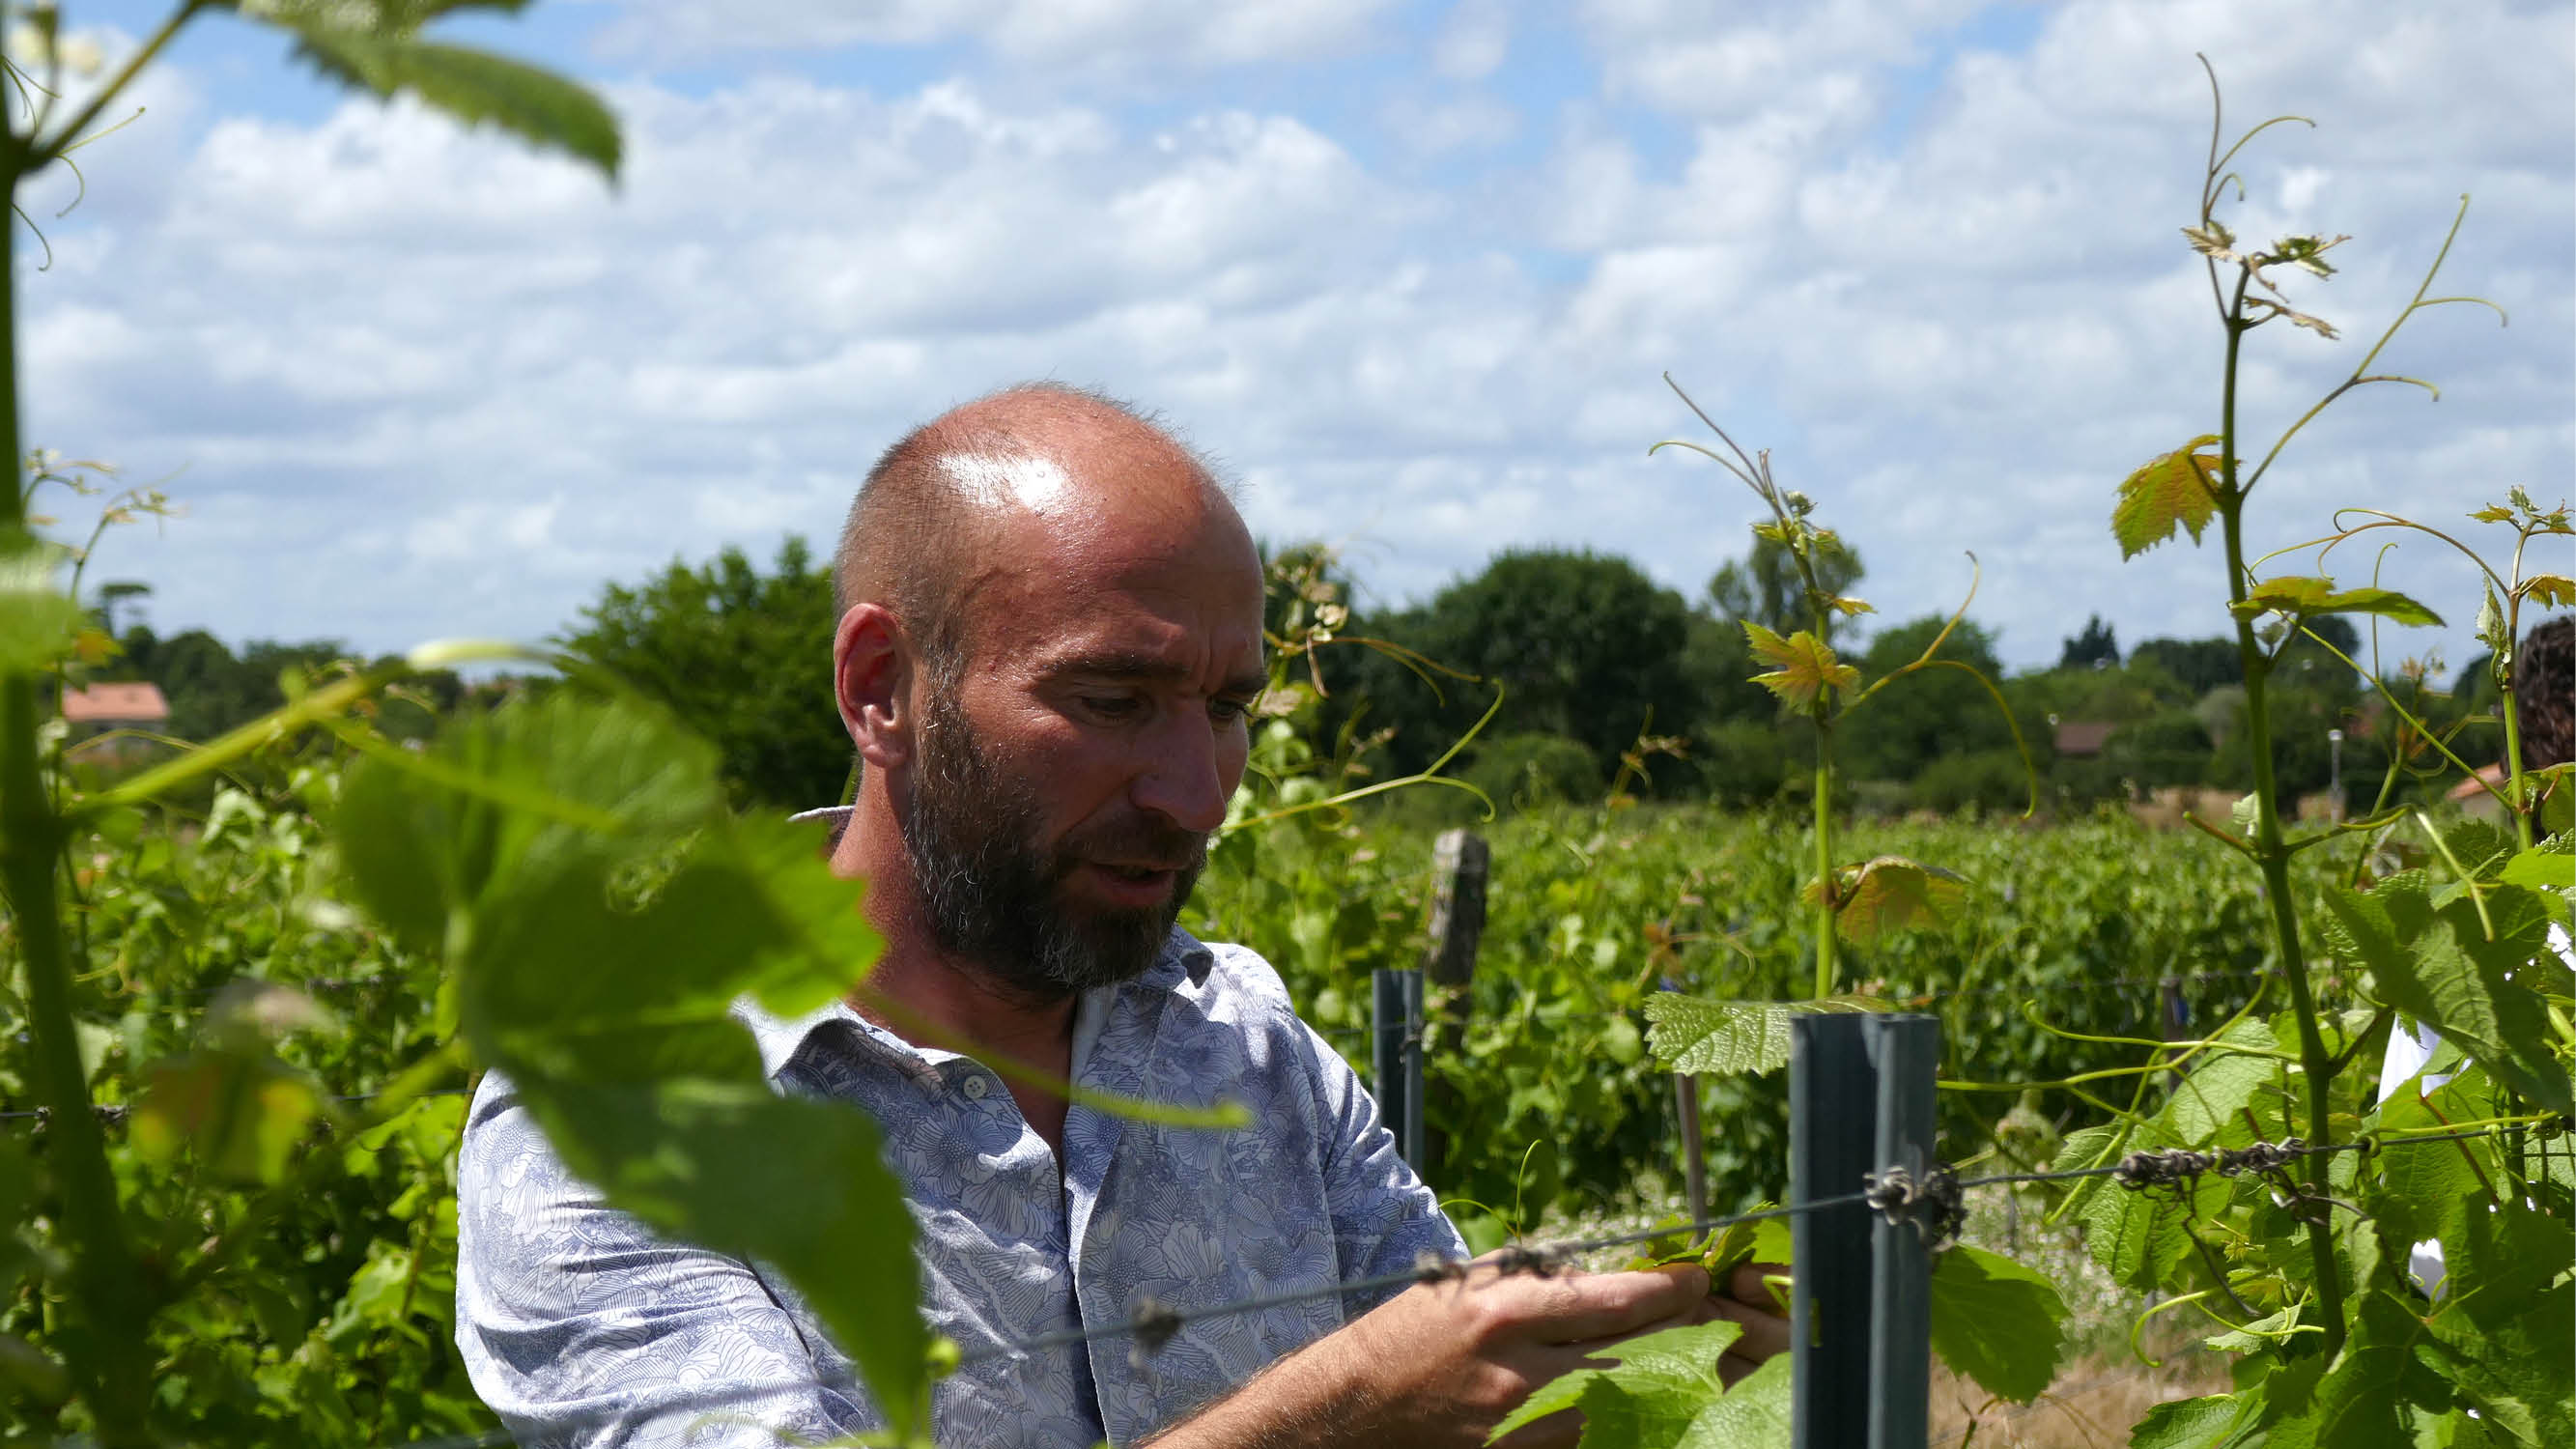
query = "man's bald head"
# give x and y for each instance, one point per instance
(926, 527)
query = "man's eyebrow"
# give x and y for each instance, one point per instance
(1146, 668)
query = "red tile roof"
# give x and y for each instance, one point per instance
(2083, 737)
(105, 703)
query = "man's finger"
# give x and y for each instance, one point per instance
(1745, 1284)
(1765, 1333)
(1610, 1305)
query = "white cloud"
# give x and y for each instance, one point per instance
(1473, 39)
(1096, 34)
(427, 383)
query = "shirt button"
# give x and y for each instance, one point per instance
(975, 1087)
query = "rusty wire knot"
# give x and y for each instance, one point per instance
(2261, 1157)
(1935, 1206)
(1430, 1267)
(1537, 1262)
(1154, 1323)
(2170, 1167)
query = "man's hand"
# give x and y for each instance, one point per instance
(1746, 1297)
(1440, 1364)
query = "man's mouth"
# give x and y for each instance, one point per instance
(1135, 883)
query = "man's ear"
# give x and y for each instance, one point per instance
(872, 679)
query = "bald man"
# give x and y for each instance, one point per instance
(1049, 643)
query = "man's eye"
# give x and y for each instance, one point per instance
(1227, 711)
(1111, 706)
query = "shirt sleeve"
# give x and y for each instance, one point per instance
(583, 1330)
(1384, 1218)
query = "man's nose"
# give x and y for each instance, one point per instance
(1182, 781)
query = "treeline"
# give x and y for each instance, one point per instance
(210, 689)
(1596, 662)
(1593, 655)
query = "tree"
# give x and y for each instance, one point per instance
(1584, 644)
(2199, 665)
(1929, 714)
(743, 658)
(114, 593)
(2096, 648)
(1765, 588)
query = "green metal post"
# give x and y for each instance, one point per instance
(1903, 1051)
(1833, 1109)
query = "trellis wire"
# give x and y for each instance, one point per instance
(1930, 1204)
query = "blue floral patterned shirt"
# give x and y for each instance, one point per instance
(581, 1328)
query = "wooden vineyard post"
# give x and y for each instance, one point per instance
(1860, 1102)
(1461, 862)
(1694, 1151)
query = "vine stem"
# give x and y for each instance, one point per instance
(113, 1369)
(1824, 857)
(2270, 855)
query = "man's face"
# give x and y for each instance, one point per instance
(997, 892)
(1064, 785)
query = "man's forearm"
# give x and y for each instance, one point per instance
(1321, 1395)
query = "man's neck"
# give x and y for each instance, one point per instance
(928, 999)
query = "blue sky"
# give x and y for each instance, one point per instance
(1411, 271)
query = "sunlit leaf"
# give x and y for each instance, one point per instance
(2308, 252)
(2212, 240)
(2541, 870)
(2307, 596)
(2203, 1423)
(2175, 490)
(1695, 1034)
(1804, 667)
(2246, 813)
(1996, 1321)
(2556, 591)
(1890, 893)
(2491, 627)
(39, 623)
(2492, 513)
(1664, 1389)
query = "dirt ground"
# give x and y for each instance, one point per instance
(2091, 1406)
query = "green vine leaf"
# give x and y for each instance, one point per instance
(2175, 490)
(2541, 870)
(38, 621)
(2556, 591)
(2443, 967)
(2137, 1236)
(371, 47)
(599, 912)
(1695, 1034)
(1997, 1322)
(1804, 667)
(1890, 893)
(2202, 1423)
(2305, 597)
(1662, 1391)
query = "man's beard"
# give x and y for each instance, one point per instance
(990, 892)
